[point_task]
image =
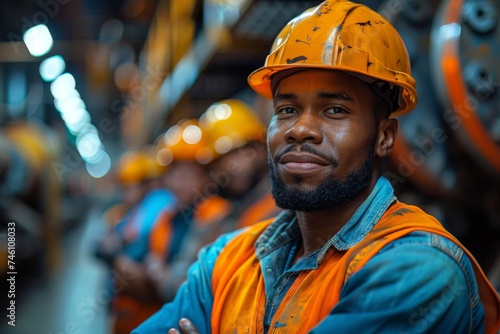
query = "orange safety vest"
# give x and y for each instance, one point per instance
(238, 284)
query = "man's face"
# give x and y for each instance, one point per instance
(186, 180)
(237, 172)
(132, 194)
(321, 140)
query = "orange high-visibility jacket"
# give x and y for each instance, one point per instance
(239, 292)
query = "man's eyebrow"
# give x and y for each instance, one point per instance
(335, 96)
(287, 96)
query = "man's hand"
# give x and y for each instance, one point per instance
(186, 327)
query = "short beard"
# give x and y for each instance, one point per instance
(331, 194)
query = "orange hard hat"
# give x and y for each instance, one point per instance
(231, 124)
(345, 36)
(137, 166)
(185, 141)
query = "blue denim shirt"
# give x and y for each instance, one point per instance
(421, 283)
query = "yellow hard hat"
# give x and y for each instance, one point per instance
(185, 141)
(153, 167)
(31, 142)
(137, 166)
(345, 36)
(231, 124)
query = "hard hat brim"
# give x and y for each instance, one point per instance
(260, 81)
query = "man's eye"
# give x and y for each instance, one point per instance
(335, 110)
(286, 111)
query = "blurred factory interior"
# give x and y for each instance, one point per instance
(83, 81)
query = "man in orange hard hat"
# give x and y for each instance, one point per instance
(346, 256)
(124, 246)
(238, 192)
(179, 155)
(239, 167)
(184, 148)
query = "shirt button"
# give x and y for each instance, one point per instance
(269, 271)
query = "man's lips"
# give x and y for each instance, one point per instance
(302, 162)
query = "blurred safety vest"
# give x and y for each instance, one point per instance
(135, 231)
(165, 241)
(210, 211)
(130, 312)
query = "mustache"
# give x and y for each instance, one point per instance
(305, 148)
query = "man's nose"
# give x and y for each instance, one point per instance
(306, 128)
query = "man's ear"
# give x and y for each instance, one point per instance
(386, 136)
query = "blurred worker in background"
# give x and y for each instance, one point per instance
(184, 152)
(17, 179)
(346, 256)
(238, 173)
(34, 187)
(240, 165)
(136, 175)
(135, 179)
(126, 244)
(184, 148)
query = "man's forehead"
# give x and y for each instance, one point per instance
(280, 76)
(322, 83)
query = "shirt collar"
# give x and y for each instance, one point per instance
(285, 227)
